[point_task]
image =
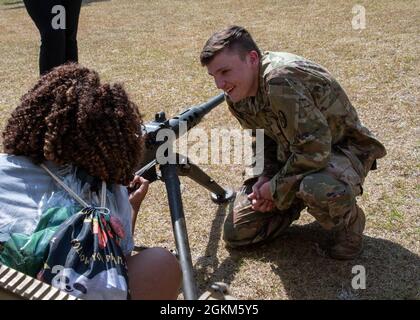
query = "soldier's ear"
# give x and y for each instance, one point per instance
(253, 57)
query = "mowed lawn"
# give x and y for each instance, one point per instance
(153, 48)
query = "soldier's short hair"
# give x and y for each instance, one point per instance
(232, 38)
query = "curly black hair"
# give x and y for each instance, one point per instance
(70, 117)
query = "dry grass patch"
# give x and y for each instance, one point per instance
(153, 48)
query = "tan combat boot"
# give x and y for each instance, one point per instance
(349, 240)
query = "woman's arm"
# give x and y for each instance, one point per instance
(139, 187)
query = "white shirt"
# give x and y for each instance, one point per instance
(26, 190)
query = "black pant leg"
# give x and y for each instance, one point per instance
(53, 47)
(72, 22)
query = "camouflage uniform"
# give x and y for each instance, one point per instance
(316, 151)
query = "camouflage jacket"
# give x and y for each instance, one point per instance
(305, 115)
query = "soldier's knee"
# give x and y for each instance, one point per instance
(232, 236)
(322, 190)
(229, 234)
(240, 235)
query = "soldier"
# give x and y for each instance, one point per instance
(316, 151)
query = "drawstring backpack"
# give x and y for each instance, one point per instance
(84, 256)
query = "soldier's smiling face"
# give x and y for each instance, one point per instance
(236, 76)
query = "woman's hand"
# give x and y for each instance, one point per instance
(137, 191)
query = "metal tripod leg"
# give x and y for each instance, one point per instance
(171, 179)
(187, 168)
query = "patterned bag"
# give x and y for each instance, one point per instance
(27, 253)
(84, 257)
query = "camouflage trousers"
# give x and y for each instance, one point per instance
(329, 195)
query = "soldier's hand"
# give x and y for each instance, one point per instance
(262, 205)
(256, 187)
(263, 193)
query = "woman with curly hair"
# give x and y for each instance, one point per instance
(78, 127)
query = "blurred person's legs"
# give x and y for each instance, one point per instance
(55, 48)
(72, 22)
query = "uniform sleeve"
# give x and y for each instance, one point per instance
(307, 132)
(264, 160)
(271, 164)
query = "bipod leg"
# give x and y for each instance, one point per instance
(171, 179)
(186, 168)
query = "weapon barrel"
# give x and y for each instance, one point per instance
(189, 118)
(192, 116)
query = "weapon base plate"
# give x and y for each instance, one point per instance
(228, 196)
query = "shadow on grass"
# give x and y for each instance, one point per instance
(392, 272)
(209, 263)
